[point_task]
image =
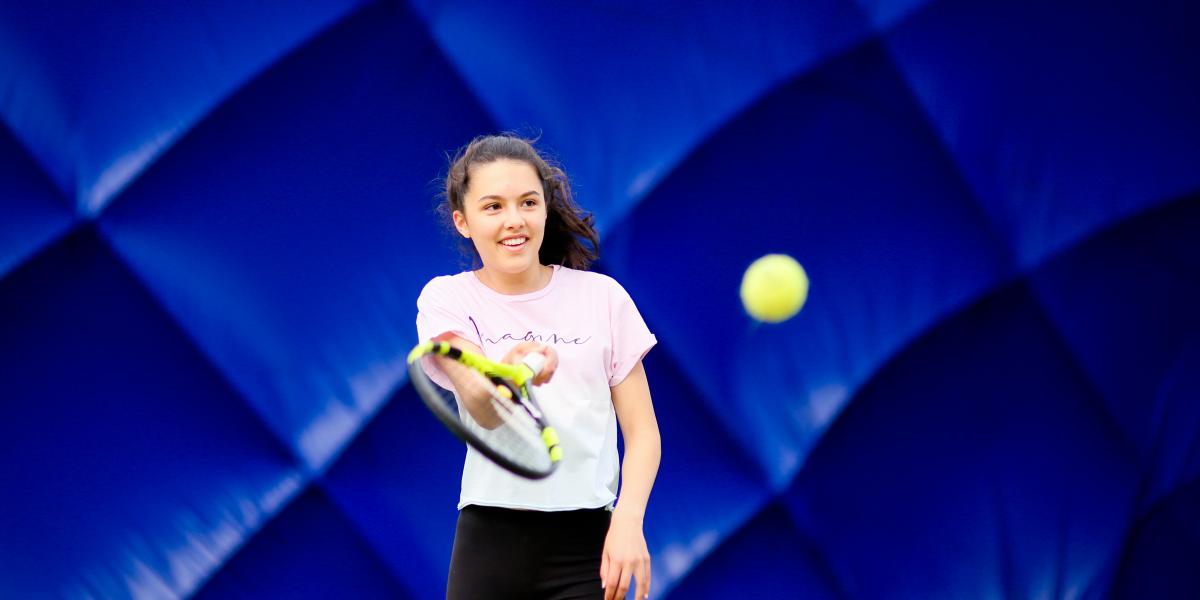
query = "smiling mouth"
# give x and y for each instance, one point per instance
(514, 243)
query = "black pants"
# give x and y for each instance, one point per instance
(501, 553)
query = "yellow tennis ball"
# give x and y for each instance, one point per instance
(774, 288)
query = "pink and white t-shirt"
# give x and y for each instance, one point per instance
(599, 336)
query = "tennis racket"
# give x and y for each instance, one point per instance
(505, 423)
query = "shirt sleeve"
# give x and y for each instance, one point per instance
(439, 312)
(631, 339)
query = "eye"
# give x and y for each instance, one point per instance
(530, 202)
(491, 206)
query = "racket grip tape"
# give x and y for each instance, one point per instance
(535, 361)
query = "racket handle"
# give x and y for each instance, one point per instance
(535, 361)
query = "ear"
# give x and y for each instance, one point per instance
(460, 223)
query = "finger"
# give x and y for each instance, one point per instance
(604, 571)
(612, 585)
(545, 376)
(642, 575)
(513, 356)
(551, 365)
(649, 576)
(623, 586)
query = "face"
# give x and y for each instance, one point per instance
(504, 215)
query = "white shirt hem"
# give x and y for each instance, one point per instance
(515, 506)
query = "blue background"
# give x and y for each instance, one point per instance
(215, 219)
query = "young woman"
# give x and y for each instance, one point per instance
(565, 536)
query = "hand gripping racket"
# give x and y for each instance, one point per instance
(491, 407)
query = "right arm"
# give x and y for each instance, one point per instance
(476, 400)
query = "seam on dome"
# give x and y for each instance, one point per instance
(1094, 398)
(1110, 221)
(709, 401)
(38, 249)
(306, 486)
(64, 197)
(806, 542)
(185, 335)
(821, 561)
(733, 116)
(899, 21)
(1112, 226)
(448, 59)
(294, 471)
(323, 485)
(942, 145)
(920, 333)
(184, 128)
(1140, 522)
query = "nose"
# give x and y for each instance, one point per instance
(513, 219)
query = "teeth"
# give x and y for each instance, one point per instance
(514, 241)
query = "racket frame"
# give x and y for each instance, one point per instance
(517, 378)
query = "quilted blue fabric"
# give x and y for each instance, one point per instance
(215, 219)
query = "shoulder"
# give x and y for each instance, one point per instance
(441, 282)
(590, 279)
(444, 286)
(598, 285)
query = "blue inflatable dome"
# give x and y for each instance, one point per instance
(215, 219)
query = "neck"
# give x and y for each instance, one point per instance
(525, 282)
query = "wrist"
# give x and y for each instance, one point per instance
(628, 516)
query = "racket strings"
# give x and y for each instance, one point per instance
(510, 430)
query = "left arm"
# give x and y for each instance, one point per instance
(625, 550)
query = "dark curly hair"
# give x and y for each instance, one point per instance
(570, 239)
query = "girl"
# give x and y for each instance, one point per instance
(560, 537)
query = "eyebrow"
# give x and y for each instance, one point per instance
(496, 197)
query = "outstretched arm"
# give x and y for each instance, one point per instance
(476, 398)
